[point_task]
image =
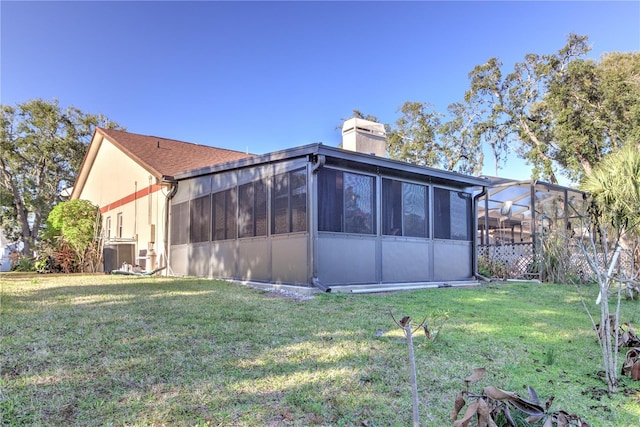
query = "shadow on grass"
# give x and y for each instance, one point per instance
(150, 351)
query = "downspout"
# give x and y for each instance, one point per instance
(318, 284)
(319, 161)
(174, 188)
(135, 212)
(474, 251)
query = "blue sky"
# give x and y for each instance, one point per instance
(266, 76)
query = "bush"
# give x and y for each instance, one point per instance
(492, 268)
(21, 263)
(73, 230)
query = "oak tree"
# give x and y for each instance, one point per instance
(42, 147)
(561, 112)
(595, 108)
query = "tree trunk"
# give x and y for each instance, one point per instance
(532, 136)
(608, 352)
(23, 217)
(414, 378)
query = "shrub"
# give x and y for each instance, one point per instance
(73, 228)
(21, 263)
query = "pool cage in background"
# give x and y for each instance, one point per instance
(516, 222)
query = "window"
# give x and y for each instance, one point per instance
(452, 214)
(224, 215)
(346, 202)
(260, 208)
(405, 208)
(119, 226)
(179, 223)
(298, 188)
(252, 209)
(199, 219)
(108, 228)
(289, 202)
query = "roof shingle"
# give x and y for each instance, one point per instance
(168, 157)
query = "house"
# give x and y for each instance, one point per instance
(314, 216)
(129, 176)
(6, 247)
(325, 217)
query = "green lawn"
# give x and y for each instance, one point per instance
(120, 350)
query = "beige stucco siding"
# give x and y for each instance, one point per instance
(113, 174)
(121, 187)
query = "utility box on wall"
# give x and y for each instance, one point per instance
(115, 255)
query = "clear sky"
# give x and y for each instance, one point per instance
(266, 76)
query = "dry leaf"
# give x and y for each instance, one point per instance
(468, 414)
(635, 371)
(483, 413)
(547, 405)
(532, 419)
(529, 408)
(427, 332)
(561, 419)
(457, 406)
(476, 374)
(507, 415)
(497, 394)
(403, 322)
(533, 396)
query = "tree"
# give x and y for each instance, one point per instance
(75, 223)
(460, 144)
(560, 112)
(357, 114)
(614, 186)
(421, 136)
(413, 136)
(42, 148)
(596, 108)
(513, 114)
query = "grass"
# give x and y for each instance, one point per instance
(118, 350)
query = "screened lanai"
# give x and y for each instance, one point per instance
(324, 217)
(515, 216)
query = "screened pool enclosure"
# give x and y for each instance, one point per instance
(515, 218)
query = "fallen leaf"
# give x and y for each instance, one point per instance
(529, 408)
(507, 415)
(533, 396)
(476, 374)
(457, 406)
(468, 414)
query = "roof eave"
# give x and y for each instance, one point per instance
(339, 153)
(86, 165)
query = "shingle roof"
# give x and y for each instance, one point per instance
(168, 157)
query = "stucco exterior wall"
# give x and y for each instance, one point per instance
(123, 188)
